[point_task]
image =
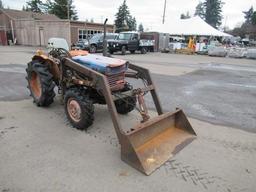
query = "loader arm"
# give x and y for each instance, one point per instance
(146, 146)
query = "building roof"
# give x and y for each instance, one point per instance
(192, 26)
(17, 14)
(90, 23)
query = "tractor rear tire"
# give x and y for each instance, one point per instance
(79, 108)
(127, 104)
(40, 83)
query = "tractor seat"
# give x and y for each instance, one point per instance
(74, 53)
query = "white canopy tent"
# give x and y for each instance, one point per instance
(193, 26)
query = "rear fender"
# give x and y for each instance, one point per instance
(53, 67)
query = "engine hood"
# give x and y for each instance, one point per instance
(118, 41)
(99, 60)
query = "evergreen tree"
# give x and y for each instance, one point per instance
(34, 6)
(254, 18)
(248, 15)
(62, 9)
(200, 10)
(213, 12)
(140, 28)
(124, 21)
(132, 24)
(92, 20)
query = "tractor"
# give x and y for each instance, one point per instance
(84, 79)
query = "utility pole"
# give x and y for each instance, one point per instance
(105, 43)
(164, 11)
(225, 25)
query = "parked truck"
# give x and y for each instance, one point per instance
(130, 41)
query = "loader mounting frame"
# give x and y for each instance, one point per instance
(130, 141)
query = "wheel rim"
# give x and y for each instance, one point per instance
(35, 84)
(74, 110)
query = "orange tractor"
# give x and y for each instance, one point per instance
(84, 79)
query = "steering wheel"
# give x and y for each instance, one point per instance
(59, 53)
(63, 53)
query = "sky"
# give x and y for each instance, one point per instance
(149, 12)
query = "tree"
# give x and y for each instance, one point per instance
(200, 10)
(62, 9)
(140, 28)
(132, 24)
(213, 12)
(238, 31)
(185, 16)
(92, 20)
(254, 18)
(248, 15)
(124, 21)
(34, 6)
(248, 28)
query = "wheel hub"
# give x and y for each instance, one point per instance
(35, 84)
(74, 110)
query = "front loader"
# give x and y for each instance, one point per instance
(84, 79)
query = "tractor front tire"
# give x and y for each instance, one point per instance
(79, 108)
(127, 104)
(40, 83)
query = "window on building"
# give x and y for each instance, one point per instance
(86, 34)
(82, 34)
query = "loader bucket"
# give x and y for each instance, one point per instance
(150, 144)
